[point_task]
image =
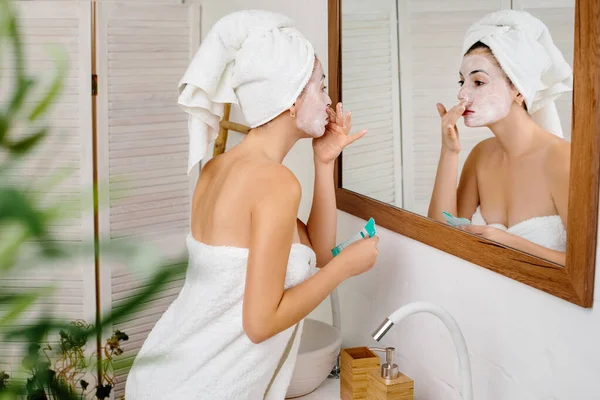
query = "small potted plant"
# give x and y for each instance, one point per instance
(54, 372)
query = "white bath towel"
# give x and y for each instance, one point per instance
(255, 59)
(547, 231)
(524, 49)
(198, 349)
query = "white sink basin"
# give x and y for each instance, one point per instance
(319, 347)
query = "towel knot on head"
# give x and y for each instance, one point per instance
(255, 59)
(523, 47)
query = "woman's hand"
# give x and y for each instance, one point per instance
(450, 140)
(329, 146)
(360, 256)
(488, 232)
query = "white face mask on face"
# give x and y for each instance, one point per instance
(312, 107)
(485, 89)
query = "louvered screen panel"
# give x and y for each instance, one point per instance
(559, 17)
(143, 52)
(67, 147)
(431, 37)
(151, 2)
(371, 166)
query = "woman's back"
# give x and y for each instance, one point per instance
(229, 187)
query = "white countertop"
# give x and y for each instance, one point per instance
(329, 390)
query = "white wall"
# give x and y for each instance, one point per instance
(524, 344)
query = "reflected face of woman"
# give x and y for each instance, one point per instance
(485, 89)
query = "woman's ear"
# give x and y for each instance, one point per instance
(293, 111)
(520, 99)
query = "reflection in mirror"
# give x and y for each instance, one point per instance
(468, 107)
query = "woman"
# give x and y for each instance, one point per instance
(234, 330)
(514, 186)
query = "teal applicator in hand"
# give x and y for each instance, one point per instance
(367, 231)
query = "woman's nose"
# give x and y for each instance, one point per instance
(462, 95)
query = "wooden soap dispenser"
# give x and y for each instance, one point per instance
(388, 383)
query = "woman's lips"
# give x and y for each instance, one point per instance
(468, 112)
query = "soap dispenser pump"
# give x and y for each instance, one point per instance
(389, 383)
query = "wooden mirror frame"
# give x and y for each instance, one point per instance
(575, 281)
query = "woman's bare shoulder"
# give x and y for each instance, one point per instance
(485, 147)
(558, 159)
(560, 148)
(276, 175)
(254, 180)
(264, 179)
(253, 172)
(481, 153)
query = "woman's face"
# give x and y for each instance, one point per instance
(312, 104)
(485, 89)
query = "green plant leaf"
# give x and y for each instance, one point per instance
(3, 123)
(4, 377)
(20, 303)
(24, 85)
(8, 395)
(25, 145)
(28, 221)
(149, 290)
(61, 58)
(60, 174)
(14, 205)
(35, 333)
(11, 241)
(12, 29)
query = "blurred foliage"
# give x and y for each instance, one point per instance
(71, 367)
(27, 242)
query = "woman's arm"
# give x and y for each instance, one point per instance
(534, 249)
(444, 197)
(267, 308)
(465, 198)
(516, 242)
(322, 222)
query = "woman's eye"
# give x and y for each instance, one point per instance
(478, 83)
(461, 83)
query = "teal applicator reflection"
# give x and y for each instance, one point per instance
(454, 221)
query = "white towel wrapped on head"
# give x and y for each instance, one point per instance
(524, 49)
(255, 59)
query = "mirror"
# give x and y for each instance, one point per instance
(392, 61)
(399, 58)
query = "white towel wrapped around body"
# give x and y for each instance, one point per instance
(198, 350)
(253, 58)
(524, 49)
